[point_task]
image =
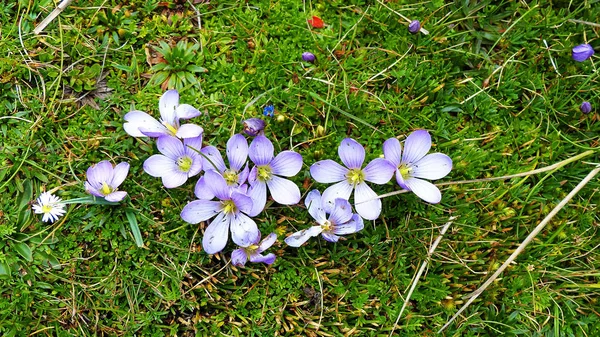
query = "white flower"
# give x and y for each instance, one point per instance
(49, 205)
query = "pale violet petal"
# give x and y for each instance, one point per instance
(340, 190)
(267, 242)
(202, 191)
(189, 131)
(354, 225)
(327, 171)
(379, 171)
(239, 257)
(212, 159)
(341, 212)
(136, 119)
(216, 235)
(193, 146)
(424, 190)
(158, 165)
(258, 193)
(371, 209)
(242, 202)
(237, 151)
(186, 111)
(167, 104)
(330, 237)
(351, 153)
(119, 174)
(315, 207)
(433, 166)
(174, 179)
(91, 190)
(200, 210)
(416, 146)
(170, 147)
(392, 151)
(100, 173)
(283, 191)
(243, 229)
(287, 163)
(298, 238)
(267, 259)
(116, 196)
(400, 180)
(217, 185)
(261, 150)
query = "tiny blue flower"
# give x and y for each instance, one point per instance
(269, 110)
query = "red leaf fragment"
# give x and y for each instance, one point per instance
(316, 22)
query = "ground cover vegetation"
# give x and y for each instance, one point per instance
(501, 87)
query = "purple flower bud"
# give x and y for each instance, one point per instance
(414, 26)
(582, 52)
(308, 57)
(585, 107)
(254, 126)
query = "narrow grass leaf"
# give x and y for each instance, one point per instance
(135, 229)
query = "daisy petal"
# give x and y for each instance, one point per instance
(261, 150)
(267, 242)
(267, 259)
(239, 257)
(424, 190)
(119, 174)
(243, 230)
(258, 194)
(287, 163)
(138, 119)
(351, 153)
(216, 235)
(341, 213)
(186, 111)
(433, 166)
(379, 171)
(212, 159)
(369, 210)
(237, 151)
(416, 146)
(284, 191)
(116, 196)
(298, 238)
(157, 165)
(314, 206)
(200, 210)
(189, 131)
(170, 147)
(167, 104)
(327, 171)
(340, 190)
(392, 151)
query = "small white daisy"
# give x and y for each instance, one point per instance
(49, 205)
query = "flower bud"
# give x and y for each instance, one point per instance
(308, 57)
(582, 52)
(414, 26)
(254, 126)
(585, 107)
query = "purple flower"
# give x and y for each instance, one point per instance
(341, 221)
(353, 178)
(254, 126)
(230, 211)
(140, 124)
(178, 161)
(103, 180)
(582, 52)
(415, 163)
(586, 107)
(267, 172)
(308, 57)
(254, 250)
(235, 176)
(414, 26)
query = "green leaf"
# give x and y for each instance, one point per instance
(24, 250)
(89, 200)
(4, 270)
(135, 229)
(347, 114)
(27, 195)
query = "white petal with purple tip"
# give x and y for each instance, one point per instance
(267, 242)
(371, 209)
(186, 111)
(283, 191)
(433, 166)
(261, 150)
(424, 190)
(138, 119)
(379, 171)
(327, 171)
(167, 104)
(267, 259)
(174, 179)
(200, 210)
(392, 150)
(351, 153)
(216, 235)
(298, 238)
(315, 207)
(287, 164)
(416, 146)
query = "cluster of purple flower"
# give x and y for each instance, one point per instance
(581, 53)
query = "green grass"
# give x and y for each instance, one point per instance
(482, 82)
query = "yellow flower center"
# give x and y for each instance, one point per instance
(355, 176)
(47, 208)
(185, 163)
(405, 171)
(229, 207)
(231, 177)
(106, 190)
(264, 173)
(326, 226)
(171, 128)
